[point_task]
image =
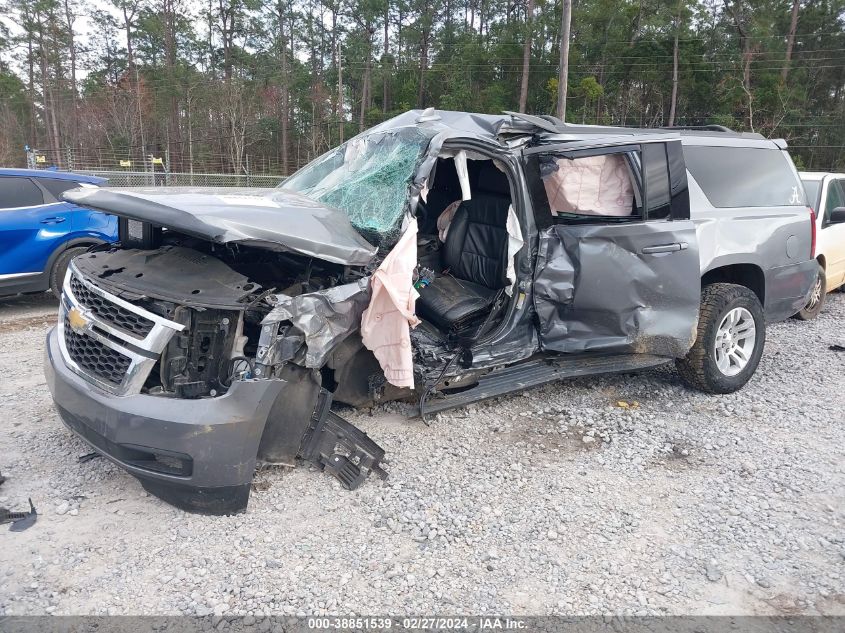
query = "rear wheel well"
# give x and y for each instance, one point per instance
(749, 275)
(822, 261)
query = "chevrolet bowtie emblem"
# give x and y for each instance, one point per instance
(76, 320)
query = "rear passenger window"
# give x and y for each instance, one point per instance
(744, 176)
(590, 188)
(57, 186)
(18, 192)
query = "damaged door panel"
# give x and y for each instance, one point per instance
(598, 288)
(617, 268)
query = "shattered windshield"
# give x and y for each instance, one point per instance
(368, 178)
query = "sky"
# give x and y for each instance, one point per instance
(82, 28)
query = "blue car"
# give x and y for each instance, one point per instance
(40, 233)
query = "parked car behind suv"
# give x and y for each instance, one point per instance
(40, 232)
(826, 193)
(441, 257)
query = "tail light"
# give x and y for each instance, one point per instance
(812, 232)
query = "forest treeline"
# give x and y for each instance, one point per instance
(217, 84)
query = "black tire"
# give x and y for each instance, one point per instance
(57, 272)
(698, 368)
(817, 298)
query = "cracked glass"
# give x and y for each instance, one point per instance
(367, 177)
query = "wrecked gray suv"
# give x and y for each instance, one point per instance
(442, 258)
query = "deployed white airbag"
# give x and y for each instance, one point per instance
(594, 185)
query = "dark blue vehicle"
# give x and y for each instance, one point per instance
(40, 233)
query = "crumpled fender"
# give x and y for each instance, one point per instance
(324, 318)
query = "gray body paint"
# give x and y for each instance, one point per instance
(323, 319)
(269, 218)
(219, 436)
(773, 240)
(581, 290)
(595, 290)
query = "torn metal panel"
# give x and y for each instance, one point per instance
(464, 124)
(599, 287)
(443, 125)
(289, 416)
(20, 520)
(323, 319)
(339, 448)
(274, 219)
(520, 343)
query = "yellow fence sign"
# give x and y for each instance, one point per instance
(126, 163)
(157, 161)
(40, 159)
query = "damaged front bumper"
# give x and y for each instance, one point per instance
(200, 454)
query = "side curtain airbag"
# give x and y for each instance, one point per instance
(594, 185)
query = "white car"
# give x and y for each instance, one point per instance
(826, 194)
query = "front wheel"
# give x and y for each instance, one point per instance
(816, 301)
(57, 273)
(729, 341)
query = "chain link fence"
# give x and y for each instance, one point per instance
(164, 179)
(152, 171)
(132, 160)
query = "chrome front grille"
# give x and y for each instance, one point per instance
(94, 357)
(107, 340)
(127, 320)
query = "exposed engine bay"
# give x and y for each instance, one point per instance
(220, 295)
(232, 313)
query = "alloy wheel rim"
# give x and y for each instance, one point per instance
(735, 341)
(816, 295)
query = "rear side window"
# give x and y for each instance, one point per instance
(19, 192)
(57, 187)
(744, 176)
(587, 187)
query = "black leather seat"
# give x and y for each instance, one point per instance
(474, 264)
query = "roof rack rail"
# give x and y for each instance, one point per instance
(711, 127)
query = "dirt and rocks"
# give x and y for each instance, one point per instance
(627, 494)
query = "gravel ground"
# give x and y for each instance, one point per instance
(559, 500)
